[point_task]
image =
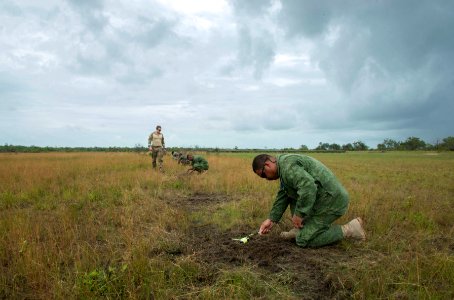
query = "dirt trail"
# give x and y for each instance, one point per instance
(307, 271)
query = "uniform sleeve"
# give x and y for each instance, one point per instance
(150, 139)
(163, 143)
(279, 206)
(306, 190)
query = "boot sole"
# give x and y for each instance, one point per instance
(361, 223)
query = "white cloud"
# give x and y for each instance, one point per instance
(235, 72)
(196, 6)
(289, 60)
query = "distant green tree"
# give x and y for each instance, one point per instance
(359, 146)
(137, 148)
(388, 144)
(334, 146)
(391, 144)
(448, 143)
(304, 147)
(348, 147)
(430, 147)
(322, 146)
(437, 145)
(413, 143)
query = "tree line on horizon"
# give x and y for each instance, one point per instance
(410, 144)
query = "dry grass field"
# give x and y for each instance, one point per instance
(105, 225)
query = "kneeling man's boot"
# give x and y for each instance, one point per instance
(354, 230)
(289, 235)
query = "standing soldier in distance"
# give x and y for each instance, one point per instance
(156, 145)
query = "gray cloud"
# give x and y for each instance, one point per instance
(302, 71)
(256, 45)
(10, 8)
(252, 7)
(280, 119)
(393, 61)
(307, 18)
(255, 51)
(155, 31)
(91, 13)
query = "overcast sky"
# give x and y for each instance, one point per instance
(214, 73)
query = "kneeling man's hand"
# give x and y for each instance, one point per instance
(297, 221)
(266, 226)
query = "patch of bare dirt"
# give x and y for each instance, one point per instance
(307, 271)
(198, 201)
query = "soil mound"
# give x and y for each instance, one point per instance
(307, 271)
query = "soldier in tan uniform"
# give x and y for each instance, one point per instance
(156, 145)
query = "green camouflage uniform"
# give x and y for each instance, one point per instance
(199, 164)
(183, 159)
(313, 193)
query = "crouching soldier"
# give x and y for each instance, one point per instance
(183, 159)
(315, 196)
(176, 155)
(198, 163)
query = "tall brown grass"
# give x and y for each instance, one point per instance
(83, 225)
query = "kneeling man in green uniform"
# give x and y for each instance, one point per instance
(198, 163)
(315, 196)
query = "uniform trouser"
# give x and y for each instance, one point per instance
(157, 153)
(319, 230)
